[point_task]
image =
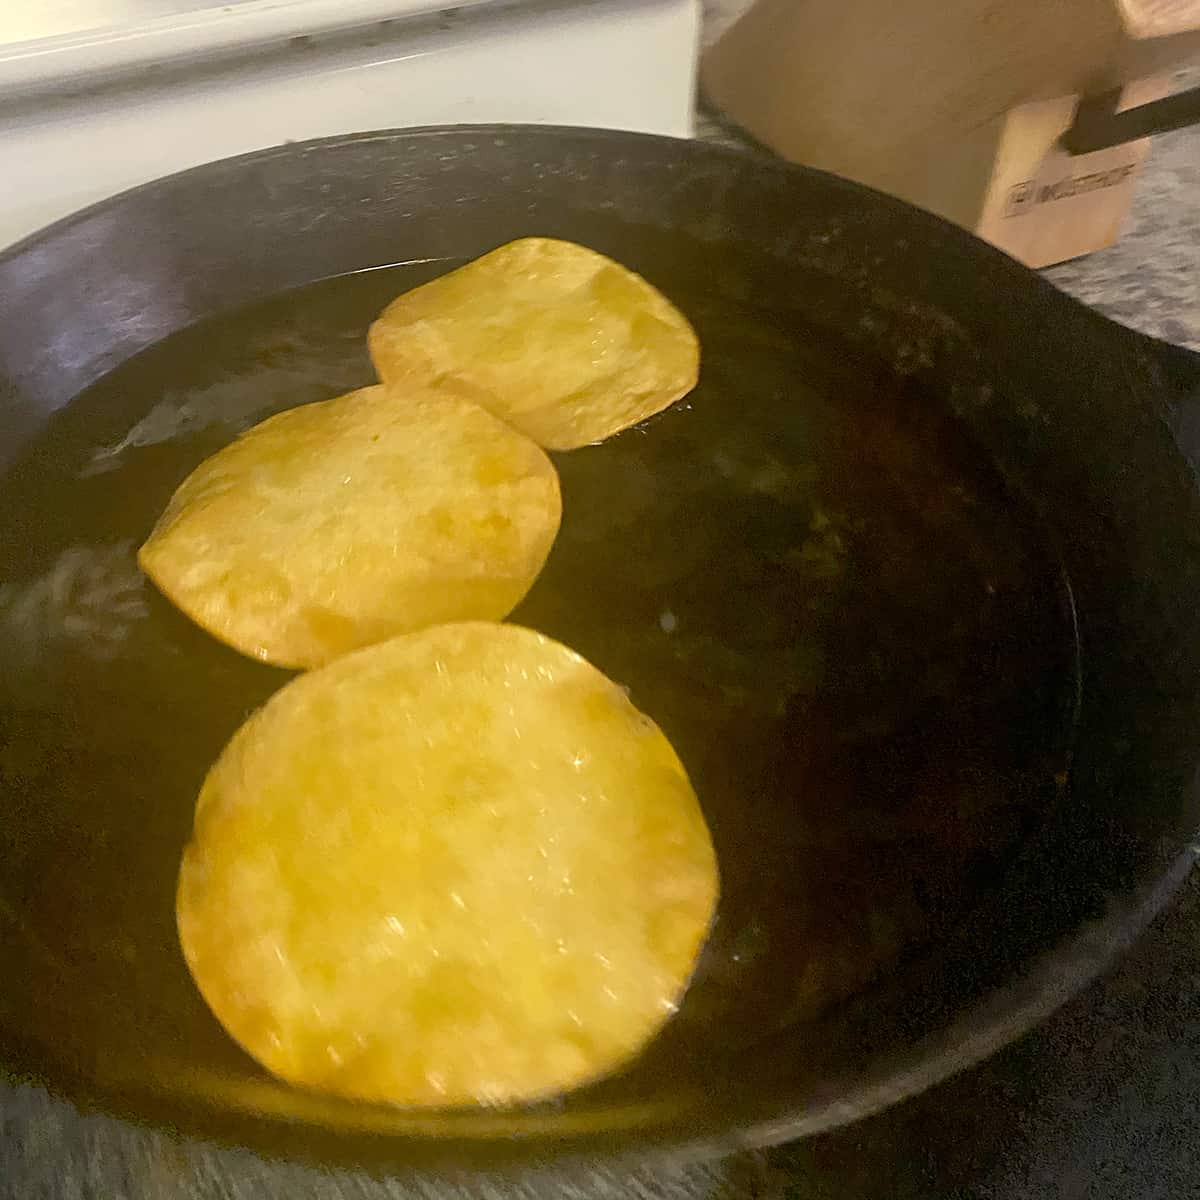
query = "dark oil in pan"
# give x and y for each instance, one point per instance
(804, 572)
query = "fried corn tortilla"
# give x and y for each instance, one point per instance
(339, 524)
(564, 344)
(457, 867)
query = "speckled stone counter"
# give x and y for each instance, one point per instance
(1101, 1103)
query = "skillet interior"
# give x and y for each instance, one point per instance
(839, 577)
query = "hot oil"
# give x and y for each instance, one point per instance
(804, 572)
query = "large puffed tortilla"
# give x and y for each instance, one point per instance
(564, 344)
(458, 867)
(342, 523)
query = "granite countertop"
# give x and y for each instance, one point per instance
(1102, 1102)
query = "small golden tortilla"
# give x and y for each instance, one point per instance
(339, 524)
(458, 867)
(564, 344)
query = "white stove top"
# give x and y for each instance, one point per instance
(66, 39)
(30, 20)
(36, 20)
(100, 95)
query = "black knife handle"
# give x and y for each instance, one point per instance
(1098, 125)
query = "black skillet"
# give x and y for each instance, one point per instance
(911, 581)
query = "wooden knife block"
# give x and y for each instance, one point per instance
(957, 107)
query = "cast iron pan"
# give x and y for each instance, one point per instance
(911, 581)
